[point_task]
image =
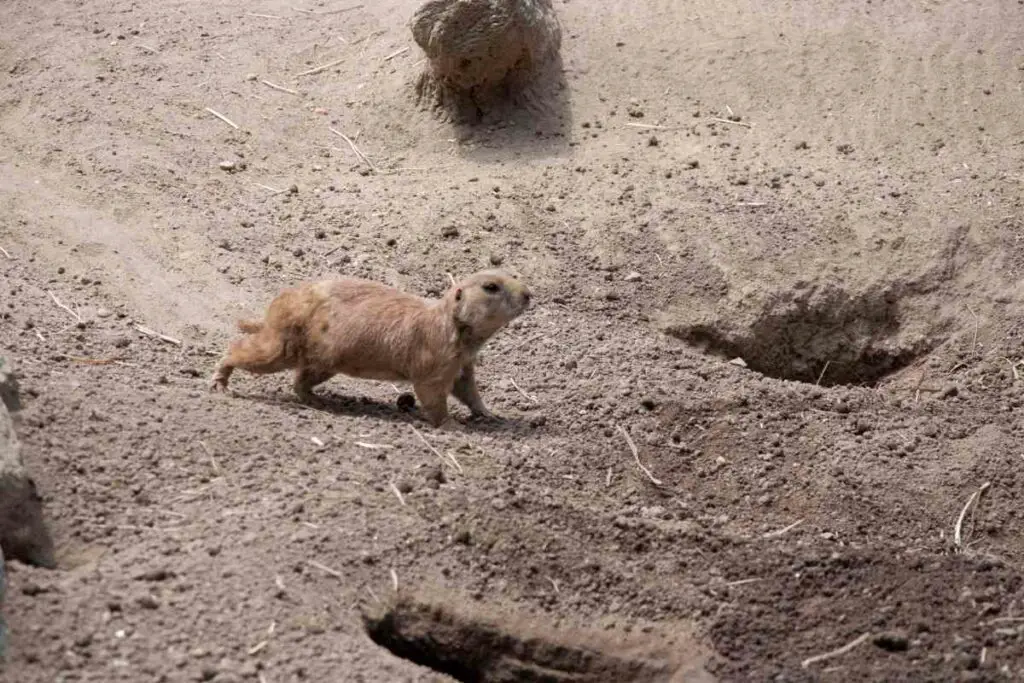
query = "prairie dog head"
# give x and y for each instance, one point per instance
(485, 302)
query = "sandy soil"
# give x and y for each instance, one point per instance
(832, 193)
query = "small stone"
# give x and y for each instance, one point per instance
(892, 641)
(949, 391)
(499, 504)
(738, 362)
(652, 141)
(449, 231)
(692, 163)
(648, 403)
(293, 189)
(147, 602)
(496, 259)
(298, 252)
(611, 296)
(462, 537)
(633, 277)
(104, 313)
(227, 165)
(404, 486)
(251, 77)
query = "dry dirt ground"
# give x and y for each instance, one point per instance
(830, 191)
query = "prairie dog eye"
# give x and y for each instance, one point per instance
(491, 288)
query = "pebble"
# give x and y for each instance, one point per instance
(251, 77)
(449, 231)
(104, 313)
(633, 277)
(227, 165)
(892, 641)
(496, 259)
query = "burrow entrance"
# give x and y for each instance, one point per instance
(822, 335)
(475, 649)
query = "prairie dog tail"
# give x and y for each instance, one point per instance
(250, 326)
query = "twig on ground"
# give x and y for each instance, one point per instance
(325, 569)
(608, 477)
(275, 86)
(268, 187)
(223, 118)
(451, 278)
(255, 649)
(147, 48)
(263, 16)
(554, 584)
(6, 253)
(823, 371)
(394, 580)
(783, 530)
(153, 333)
(1013, 368)
(322, 67)
(636, 457)
(40, 336)
(741, 582)
(374, 595)
(520, 390)
(647, 126)
(355, 149)
(735, 123)
(341, 11)
(372, 446)
(450, 459)
(835, 653)
(958, 528)
(57, 301)
(396, 53)
(209, 452)
(977, 323)
(398, 494)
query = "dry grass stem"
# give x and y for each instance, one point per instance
(354, 148)
(275, 86)
(396, 53)
(398, 494)
(448, 460)
(263, 16)
(6, 253)
(835, 653)
(394, 580)
(322, 67)
(636, 456)
(223, 118)
(57, 301)
(209, 453)
(958, 539)
(325, 569)
(156, 335)
(784, 530)
(735, 123)
(520, 390)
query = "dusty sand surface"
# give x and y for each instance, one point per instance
(831, 191)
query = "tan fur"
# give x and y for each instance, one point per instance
(368, 330)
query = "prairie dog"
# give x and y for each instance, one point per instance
(369, 330)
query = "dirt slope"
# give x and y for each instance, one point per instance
(833, 193)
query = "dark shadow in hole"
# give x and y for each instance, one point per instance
(823, 337)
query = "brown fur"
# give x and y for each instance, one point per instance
(368, 330)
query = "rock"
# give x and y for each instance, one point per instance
(482, 44)
(227, 166)
(23, 533)
(892, 641)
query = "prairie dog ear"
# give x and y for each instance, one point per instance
(458, 294)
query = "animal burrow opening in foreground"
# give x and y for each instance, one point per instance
(473, 649)
(822, 335)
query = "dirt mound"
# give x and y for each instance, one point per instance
(485, 53)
